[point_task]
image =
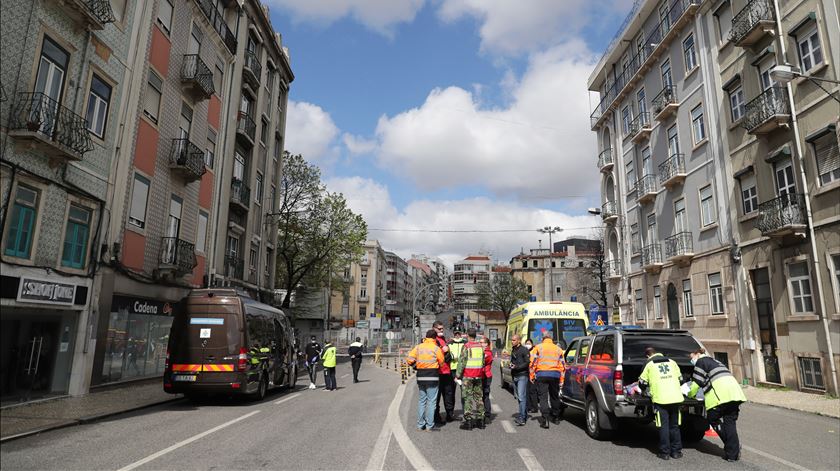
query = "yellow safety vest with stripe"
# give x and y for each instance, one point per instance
(455, 347)
(328, 356)
(257, 355)
(662, 375)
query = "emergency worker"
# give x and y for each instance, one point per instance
(426, 359)
(471, 366)
(456, 345)
(662, 376)
(546, 371)
(328, 359)
(446, 383)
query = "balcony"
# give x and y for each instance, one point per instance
(252, 275)
(197, 77)
(233, 266)
(217, 21)
(363, 298)
(237, 222)
(365, 262)
(246, 128)
(640, 127)
(240, 195)
(93, 14)
(646, 189)
(612, 268)
(755, 20)
(605, 161)
(665, 103)
(679, 248)
(767, 112)
(609, 212)
(652, 258)
(252, 70)
(176, 256)
(782, 216)
(187, 159)
(672, 171)
(50, 128)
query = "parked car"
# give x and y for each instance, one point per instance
(598, 367)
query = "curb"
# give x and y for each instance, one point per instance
(84, 420)
(780, 406)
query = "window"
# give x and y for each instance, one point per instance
(827, 155)
(647, 162)
(707, 207)
(258, 188)
(118, 8)
(749, 194)
(724, 21)
(657, 298)
(363, 292)
(218, 77)
(362, 313)
(715, 294)
(137, 214)
(631, 175)
(76, 237)
(652, 234)
(263, 132)
(272, 194)
(196, 38)
(810, 51)
(736, 103)
(811, 370)
(800, 287)
(689, 53)
(534, 263)
(673, 141)
(23, 214)
(164, 17)
(97, 110)
(625, 120)
(688, 305)
(665, 69)
(253, 256)
(680, 224)
(173, 223)
(665, 17)
(722, 357)
(640, 98)
(210, 149)
(530, 289)
(151, 107)
(635, 240)
(640, 306)
(698, 125)
(277, 149)
(201, 238)
(835, 259)
(764, 69)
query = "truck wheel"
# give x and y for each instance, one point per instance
(693, 429)
(262, 389)
(502, 381)
(293, 378)
(593, 422)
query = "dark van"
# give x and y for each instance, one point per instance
(223, 342)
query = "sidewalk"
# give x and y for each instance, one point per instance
(794, 400)
(29, 419)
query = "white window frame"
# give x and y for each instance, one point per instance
(101, 106)
(154, 91)
(801, 362)
(831, 175)
(657, 302)
(725, 11)
(688, 303)
(641, 314)
(201, 232)
(698, 124)
(834, 270)
(626, 117)
(716, 301)
(708, 214)
(134, 208)
(635, 238)
(680, 218)
(689, 53)
(749, 194)
(791, 282)
(630, 170)
(165, 13)
(810, 38)
(737, 104)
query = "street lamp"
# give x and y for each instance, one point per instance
(785, 73)
(550, 231)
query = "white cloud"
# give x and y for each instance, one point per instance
(378, 15)
(311, 131)
(372, 200)
(358, 144)
(538, 148)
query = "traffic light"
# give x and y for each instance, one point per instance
(416, 322)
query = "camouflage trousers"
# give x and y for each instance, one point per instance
(471, 392)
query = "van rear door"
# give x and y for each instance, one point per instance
(208, 345)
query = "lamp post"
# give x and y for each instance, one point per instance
(550, 231)
(785, 73)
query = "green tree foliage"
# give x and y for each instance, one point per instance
(501, 293)
(317, 232)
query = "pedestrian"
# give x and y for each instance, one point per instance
(546, 372)
(533, 390)
(470, 371)
(313, 356)
(519, 361)
(446, 382)
(328, 357)
(722, 396)
(456, 345)
(355, 351)
(426, 359)
(662, 376)
(487, 379)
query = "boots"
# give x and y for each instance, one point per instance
(466, 425)
(450, 417)
(543, 422)
(479, 424)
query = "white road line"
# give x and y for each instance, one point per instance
(186, 442)
(345, 375)
(380, 449)
(774, 458)
(529, 459)
(287, 398)
(495, 408)
(509, 428)
(417, 460)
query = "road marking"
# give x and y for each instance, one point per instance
(380, 448)
(417, 460)
(491, 396)
(509, 428)
(495, 408)
(287, 398)
(186, 442)
(774, 458)
(529, 459)
(345, 375)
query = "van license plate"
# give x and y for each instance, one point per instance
(189, 378)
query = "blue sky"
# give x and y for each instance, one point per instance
(449, 114)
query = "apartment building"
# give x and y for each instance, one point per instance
(559, 274)
(399, 292)
(466, 274)
(663, 177)
(442, 291)
(782, 146)
(62, 99)
(424, 288)
(242, 242)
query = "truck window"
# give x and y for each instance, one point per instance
(676, 347)
(604, 348)
(571, 352)
(584, 351)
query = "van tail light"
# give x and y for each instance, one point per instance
(618, 384)
(242, 362)
(166, 364)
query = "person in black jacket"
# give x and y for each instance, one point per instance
(313, 356)
(355, 351)
(533, 393)
(519, 362)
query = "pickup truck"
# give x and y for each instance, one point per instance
(600, 365)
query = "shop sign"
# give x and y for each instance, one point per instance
(141, 306)
(48, 292)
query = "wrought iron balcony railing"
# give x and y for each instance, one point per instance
(101, 10)
(772, 104)
(187, 157)
(672, 169)
(196, 73)
(751, 16)
(234, 266)
(238, 219)
(605, 159)
(640, 124)
(217, 20)
(609, 210)
(781, 214)
(246, 126)
(240, 193)
(38, 116)
(651, 255)
(679, 245)
(645, 187)
(665, 98)
(177, 254)
(612, 268)
(252, 66)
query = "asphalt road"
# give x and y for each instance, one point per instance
(371, 425)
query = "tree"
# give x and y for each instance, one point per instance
(317, 233)
(592, 278)
(501, 293)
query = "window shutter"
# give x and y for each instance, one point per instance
(827, 153)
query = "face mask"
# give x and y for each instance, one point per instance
(693, 361)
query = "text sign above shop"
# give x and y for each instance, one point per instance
(141, 306)
(48, 292)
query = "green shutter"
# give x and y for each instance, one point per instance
(75, 245)
(19, 240)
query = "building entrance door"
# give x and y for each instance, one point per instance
(29, 350)
(766, 324)
(673, 308)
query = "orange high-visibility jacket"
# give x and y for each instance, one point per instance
(427, 358)
(547, 360)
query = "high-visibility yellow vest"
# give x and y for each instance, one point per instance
(328, 357)
(455, 348)
(663, 377)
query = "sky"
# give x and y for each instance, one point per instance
(452, 126)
